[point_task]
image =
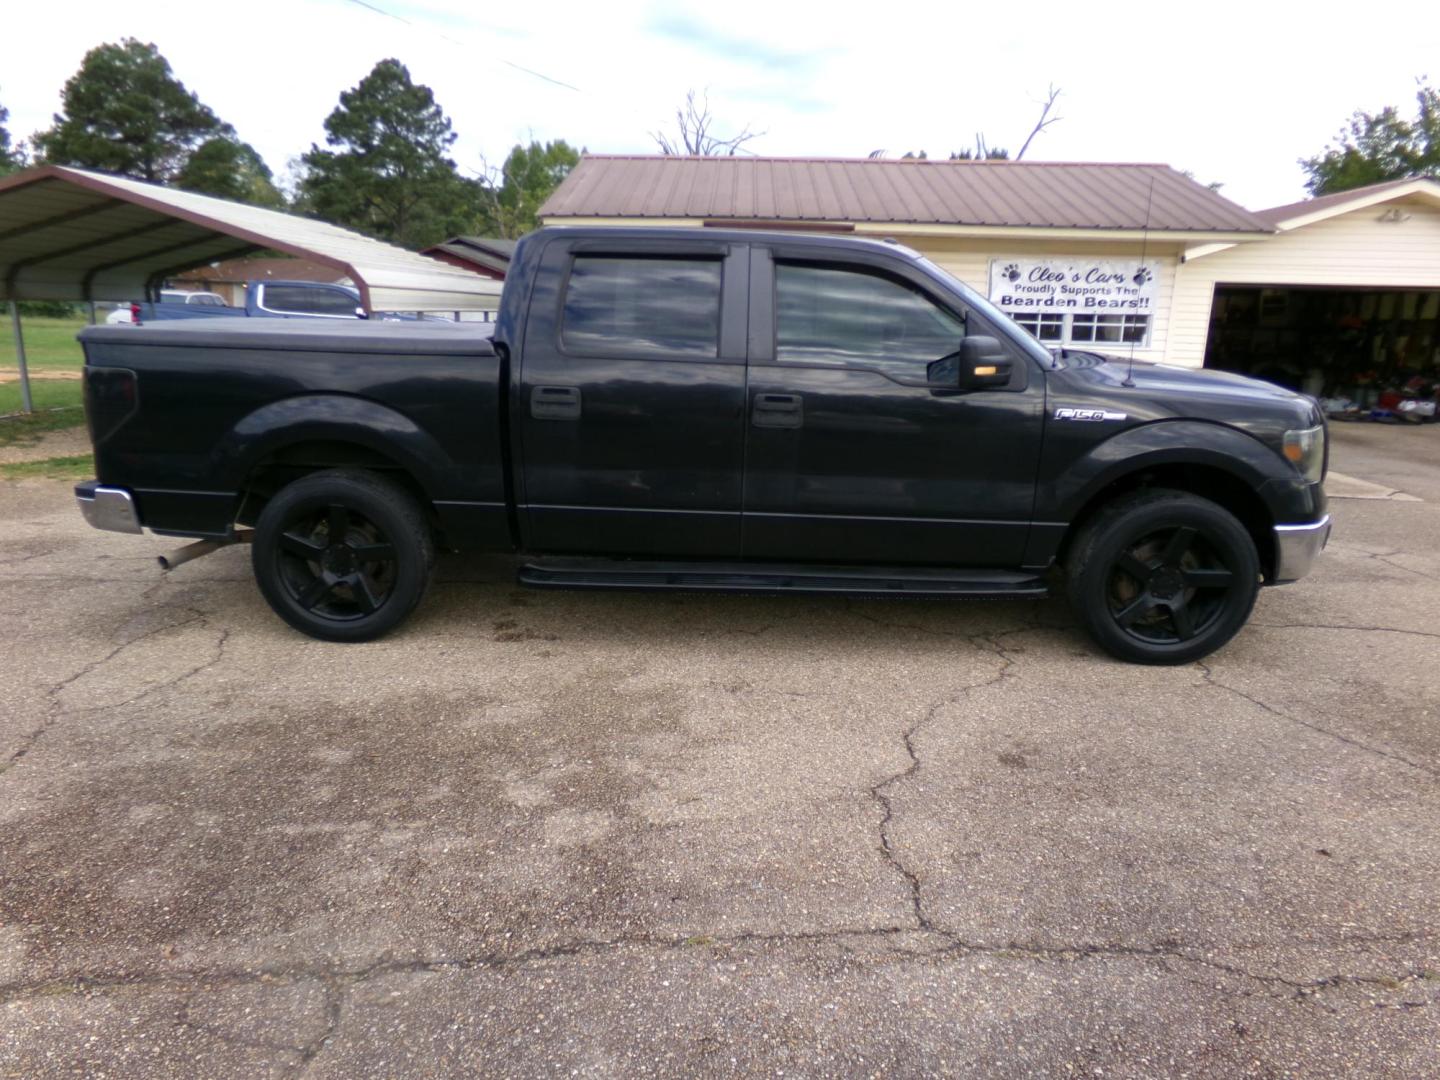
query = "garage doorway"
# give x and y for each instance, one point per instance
(1354, 343)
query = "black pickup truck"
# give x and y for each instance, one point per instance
(712, 410)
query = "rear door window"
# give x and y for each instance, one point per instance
(633, 305)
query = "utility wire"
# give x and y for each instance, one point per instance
(508, 63)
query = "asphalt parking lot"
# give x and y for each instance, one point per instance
(543, 833)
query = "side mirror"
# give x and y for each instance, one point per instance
(360, 313)
(983, 363)
(980, 362)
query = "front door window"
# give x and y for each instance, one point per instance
(852, 317)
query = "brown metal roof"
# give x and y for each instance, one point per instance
(1277, 214)
(983, 193)
(486, 252)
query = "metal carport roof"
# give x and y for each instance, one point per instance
(69, 234)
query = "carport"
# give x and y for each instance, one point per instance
(72, 235)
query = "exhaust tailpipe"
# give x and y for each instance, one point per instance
(190, 552)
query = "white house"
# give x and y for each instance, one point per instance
(1348, 285)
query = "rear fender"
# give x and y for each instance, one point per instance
(333, 418)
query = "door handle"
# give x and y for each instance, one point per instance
(777, 411)
(555, 402)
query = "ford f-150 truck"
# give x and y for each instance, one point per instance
(712, 410)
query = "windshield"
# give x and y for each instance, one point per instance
(998, 318)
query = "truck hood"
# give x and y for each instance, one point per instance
(1169, 376)
(1148, 391)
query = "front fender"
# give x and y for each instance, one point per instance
(332, 418)
(1067, 486)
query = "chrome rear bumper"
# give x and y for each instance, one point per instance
(107, 507)
(1296, 547)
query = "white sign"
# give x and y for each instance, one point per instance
(1062, 284)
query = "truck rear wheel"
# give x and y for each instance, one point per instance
(1163, 577)
(343, 555)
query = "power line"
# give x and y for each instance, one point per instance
(462, 45)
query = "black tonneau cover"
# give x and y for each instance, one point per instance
(305, 335)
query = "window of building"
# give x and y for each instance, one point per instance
(1111, 329)
(1048, 328)
(830, 315)
(643, 304)
(1085, 329)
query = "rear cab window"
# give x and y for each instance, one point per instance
(637, 304)
(307, 300)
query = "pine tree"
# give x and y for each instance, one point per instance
(388, 171)
(124, 112)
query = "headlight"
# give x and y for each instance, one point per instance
(1305, 449)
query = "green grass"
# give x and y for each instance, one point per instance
(76, 467)
(24, 430)
(46, 394)
(50, 344)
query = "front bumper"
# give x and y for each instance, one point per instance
(1296, 547)
(107, 507)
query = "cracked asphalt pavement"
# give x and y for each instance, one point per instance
(535, 833)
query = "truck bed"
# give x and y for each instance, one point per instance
(213, 401)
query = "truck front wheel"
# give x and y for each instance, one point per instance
(343, 555)
(1163, 577)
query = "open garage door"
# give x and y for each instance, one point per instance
(1359, 344)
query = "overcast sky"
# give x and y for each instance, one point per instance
(1232, 92)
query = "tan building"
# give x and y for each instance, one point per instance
(229, 277)
(1124, 258)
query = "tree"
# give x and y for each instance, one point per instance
(1213, 185)
(125, 112)
(1374, 147)
(983, 151)
(528, 177)
(225, 167)
(695, 134)
(389, 173)
(1044, 121)
(11, 157)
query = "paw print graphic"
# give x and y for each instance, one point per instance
(1011, 273)
(1142, 275)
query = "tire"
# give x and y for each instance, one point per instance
(1163, 577)
(354, 589)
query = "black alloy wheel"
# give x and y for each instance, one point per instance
(1163, 577)
(1169, 587)
(343, 555)
(336, 563)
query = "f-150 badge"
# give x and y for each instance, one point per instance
(1088, 414)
